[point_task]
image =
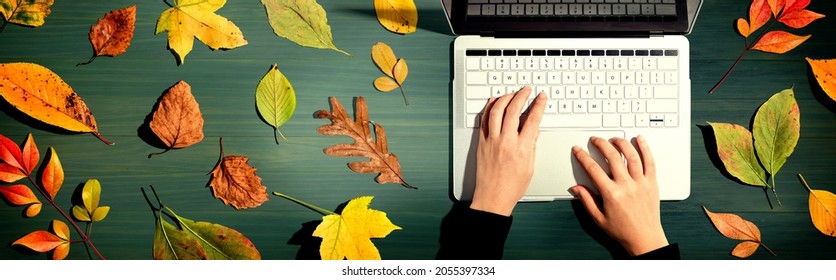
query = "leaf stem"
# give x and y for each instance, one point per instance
(405, 101)
(775, 192)
(166, 2)
(768, 250)
(88, 62)
(739, 58)
(66, 217)
(103, 139)
(2, 27)
(319, 210)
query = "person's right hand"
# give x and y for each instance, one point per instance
(628, 208)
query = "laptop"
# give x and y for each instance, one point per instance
(610, 68)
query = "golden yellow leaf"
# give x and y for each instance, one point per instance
(190, 19)
(385, 84)
(347, 235)
(399, 16)
(28, 13)
(822, 206)
(824, 69)
(395, 69)
(401, 70)
(43, 95)
(384, 58)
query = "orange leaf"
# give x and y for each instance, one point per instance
(33, 210)
(743, 27)
(61, 229)
(112, 34)
(40, 241)
(822, 207)
(776, 6)
(779, 42)
(735, 227)
(10, 152)
(52, 174)
(61, 251)
(10, 174)
(799, 18)
(30, 154)
(824, 69)
(19, 195)
(235, 183)
(759, 14)
(177, 120)
(365, 143)
(745, 249)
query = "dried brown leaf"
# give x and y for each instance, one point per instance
(737, 228)
(177, 120)
(366, 144)
(235, 183)
(112, 34)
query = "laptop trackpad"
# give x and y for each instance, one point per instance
(555, 167)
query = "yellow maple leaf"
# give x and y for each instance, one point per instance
(348, 235)
(190, 19)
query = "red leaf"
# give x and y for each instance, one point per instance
(19, 195)
(779, 42)
(799, 18)
(10, 174)
(52, 174)
(40, 241)
(10, 152)
(30, 154)
(794, 5)
(776, 6)
(759, 14)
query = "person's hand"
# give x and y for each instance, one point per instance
(628, 208)
(505, 155)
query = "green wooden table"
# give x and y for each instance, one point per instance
(121, 91)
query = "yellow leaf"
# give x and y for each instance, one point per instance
(43, 95)
(401, 70)
(385, 84)
(399, 16)
(190, 19)
(384, 58)
(100, 213)
(824, 69)
(90, 194)
(822, 206)
(347, 235)
(79, 213)
(28, 13)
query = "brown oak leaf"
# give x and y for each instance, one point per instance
(235, 183)
(366, 144)
(177, 120)
(112, 34)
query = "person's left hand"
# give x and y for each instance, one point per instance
(505, 155)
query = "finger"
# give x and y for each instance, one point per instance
(514, 109)
(531, 126)
(634, 161)
(613, 157)
(497, 112)
(593, 207)
(595, 172)
(483, 122)
(647, 157)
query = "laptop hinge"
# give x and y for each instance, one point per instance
(586, 34)
(656, 33)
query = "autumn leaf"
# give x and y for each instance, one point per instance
(275, 100)
(22, 195)
(177, 120)
(11, 155)
(395, 69)
(348, 235)
(776, 130)
(399, 16)
(42, 241)
(822, 206)
(736, 150)
(189, 19)
(776, 6)
(52, 174)
(735, 227)
(759, 14)
(33, 209)
(43, 95)
(796, 15)
(303, 22)
(824, 69)
(779, 42)
(743, 27)
(112, 34)
(29, 155)
(27, 13)
(235, 183)
(90, 211)
(375, 147)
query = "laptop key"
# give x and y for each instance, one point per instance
(571, 120)
(546, 9)
(590, 9)
(619, 9)
(518, 9)
(576, 9)
(477, 1)
(561, 9)
(474, 10)
(633, 9)
(488, 10)
(532, 9)
(604, 9)
(666, 9)
(648, 9)
(503, 10)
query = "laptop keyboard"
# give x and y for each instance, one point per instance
(609, 88)
(571, 8)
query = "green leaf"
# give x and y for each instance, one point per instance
(202, 240)
(275, 100)
(302, 21)
(735, 148)
(80, 214)
(776, 130)
(100, 213)
(90, 194)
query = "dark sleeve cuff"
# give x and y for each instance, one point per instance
(471, 234)
(670, 252)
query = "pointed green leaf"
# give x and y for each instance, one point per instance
(776, 130)
(80, 214)
(275, 99)
(171, 243)
(220, 242)
(302, 21)
(735, 148)
(90, 194)
(100, 213)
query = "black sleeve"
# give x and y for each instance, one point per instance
(670, 252)
(468, 234)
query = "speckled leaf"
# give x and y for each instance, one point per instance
(776, 130)
(275, 100)
(111, 35)
(221, 242)
(27, 13)
(171, 243)
(824, 69)
(303, 22)
(399, 16)
(735, 148)
(235, 183)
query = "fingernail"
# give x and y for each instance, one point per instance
(573, 192)
(576, 149)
